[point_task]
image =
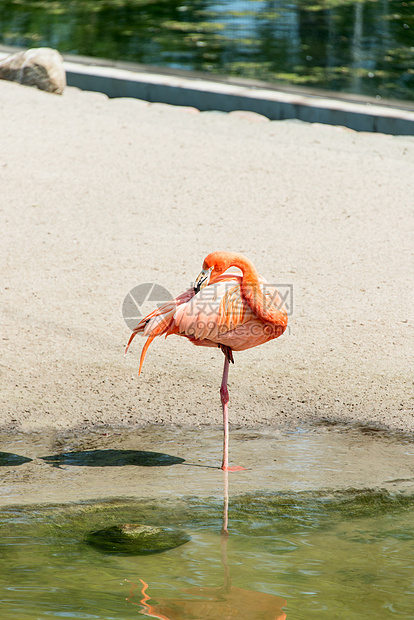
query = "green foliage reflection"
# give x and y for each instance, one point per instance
(364, 47)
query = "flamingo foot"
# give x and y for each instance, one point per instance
(233, 468)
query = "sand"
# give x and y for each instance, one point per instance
(98, 196)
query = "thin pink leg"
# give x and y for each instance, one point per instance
(224, 393)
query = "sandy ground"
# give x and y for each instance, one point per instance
(98, 196)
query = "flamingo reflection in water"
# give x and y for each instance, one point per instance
(226, 602)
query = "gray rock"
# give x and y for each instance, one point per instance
(136, 539)
(41, 67)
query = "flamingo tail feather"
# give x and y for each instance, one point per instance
(144, 351)
(131, 338)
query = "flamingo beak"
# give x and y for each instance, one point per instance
(202, 279)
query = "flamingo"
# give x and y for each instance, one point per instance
(223, 309)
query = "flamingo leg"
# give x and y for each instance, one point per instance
(224, 394)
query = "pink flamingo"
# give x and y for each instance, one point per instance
(225, 310)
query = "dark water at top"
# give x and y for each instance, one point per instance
(364, 47)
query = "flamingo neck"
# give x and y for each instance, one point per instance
(247, 268)
(252, 292)
(269, 309)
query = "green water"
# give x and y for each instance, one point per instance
(364, 47)
(339, 555)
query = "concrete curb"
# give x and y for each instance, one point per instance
(207, 94)
(211, 95)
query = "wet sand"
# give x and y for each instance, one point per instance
(98, 196)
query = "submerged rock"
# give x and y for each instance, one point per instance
(41, 67)
(136, 539)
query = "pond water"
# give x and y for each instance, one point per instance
(320, 525)
(364, 47)
(309, 555)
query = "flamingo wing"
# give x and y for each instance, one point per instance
(216, 315)
(159, 322)
(215, 310)
(219, 315)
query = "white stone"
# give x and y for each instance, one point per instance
(40, 67)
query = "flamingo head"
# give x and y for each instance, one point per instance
(202, 279)
(214, 264)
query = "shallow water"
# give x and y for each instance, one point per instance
(156, 461)
(308, 554)
(320, 524)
